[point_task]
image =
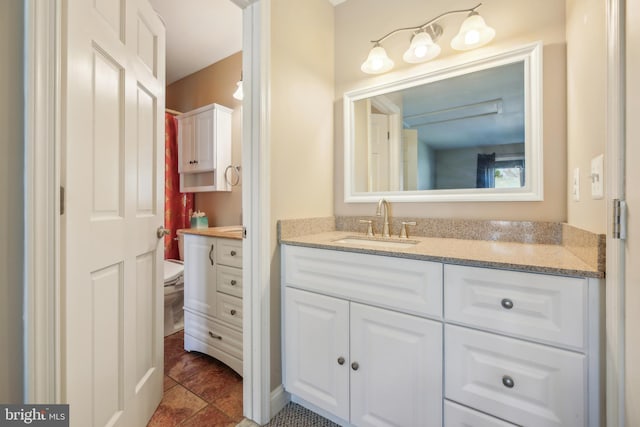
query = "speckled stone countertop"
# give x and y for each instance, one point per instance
(549, 258)
(230, 232)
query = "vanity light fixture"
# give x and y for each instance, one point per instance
(473, 33)
(239, 93)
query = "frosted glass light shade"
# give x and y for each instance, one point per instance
(239, 93)
(474, 32)
(377, 62)
(422, 49)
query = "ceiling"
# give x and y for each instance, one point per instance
(199, 33)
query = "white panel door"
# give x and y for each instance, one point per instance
(112, 99)
(200, 273)
(204, 145)
(396, 369)
(186, 140)
(379, 152)
(316, 350)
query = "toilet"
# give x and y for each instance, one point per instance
(174, 292)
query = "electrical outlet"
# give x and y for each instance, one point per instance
(597, 177)
(575, 189)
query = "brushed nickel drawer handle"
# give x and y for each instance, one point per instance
(233, 253)
(212, 335)
(340, 360)
(508, 382)
(507, 303)
(233, 312)
(233, 283)
(210, 255)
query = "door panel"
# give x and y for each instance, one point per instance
(113, 172)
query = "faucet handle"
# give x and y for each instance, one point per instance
(369, 226)
(403, 229)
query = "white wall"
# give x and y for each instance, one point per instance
(515, 22)
(11, 200)
(586, 106)
(301, 127)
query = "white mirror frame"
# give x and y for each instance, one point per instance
(531, 55)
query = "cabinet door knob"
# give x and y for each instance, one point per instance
(340, 360)
(506, 303)
(214, 336)
(355, 366)
(233, 283)
(233, 312)
(233, 253)
(508, 382)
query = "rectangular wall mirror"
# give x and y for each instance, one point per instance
(468, 131)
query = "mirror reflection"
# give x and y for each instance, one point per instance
(462, 132)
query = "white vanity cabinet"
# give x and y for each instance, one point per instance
(213, 298)
(491, 347)
(204, 148)
(359, 362)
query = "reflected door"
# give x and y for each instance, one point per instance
(378, 152)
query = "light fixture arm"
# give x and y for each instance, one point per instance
(425, 25)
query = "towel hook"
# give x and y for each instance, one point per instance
(233, 182)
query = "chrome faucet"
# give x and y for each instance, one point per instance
(385, 225)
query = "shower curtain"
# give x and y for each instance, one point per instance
(177, 206)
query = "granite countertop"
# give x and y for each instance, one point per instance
(527, 257)
(229, 232)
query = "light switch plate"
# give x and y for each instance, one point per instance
(597, 177)
(575, 189)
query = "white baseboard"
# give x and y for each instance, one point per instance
(279, 398)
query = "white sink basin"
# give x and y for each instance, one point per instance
(363, 241)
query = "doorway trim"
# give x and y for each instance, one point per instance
(614, 176)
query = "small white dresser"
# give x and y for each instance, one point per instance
(213, 298)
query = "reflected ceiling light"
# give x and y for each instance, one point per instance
(473, 33)
(239, 93)
(377, 62)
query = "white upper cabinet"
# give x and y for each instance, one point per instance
(204, 148)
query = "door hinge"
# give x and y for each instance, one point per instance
(244, 232)
(619, 219)
(61, 200)
(388, 135)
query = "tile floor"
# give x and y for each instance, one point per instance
(199, 391)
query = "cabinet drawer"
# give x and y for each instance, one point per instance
(534, 306)
(229, 252)
(229, 280)
(521, 382)
(410, 286)
(214, 333)
(230, 309)
(460, 416)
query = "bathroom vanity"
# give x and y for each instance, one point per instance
(213, 293)
(443, 332)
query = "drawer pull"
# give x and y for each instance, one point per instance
(210, 255)
(508, 382)
(233, 283)
(212, 335)
(355, 366)
(340, 360)
(233, 312)
(507, 303)
(233, 253)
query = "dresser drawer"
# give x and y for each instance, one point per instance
(411, 286)
(460, 416)
(214, 333)
(230, 309)
(533, 306)
(229, 280)
(520, 382)
(229, 252)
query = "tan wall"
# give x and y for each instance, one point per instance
(586, 105)
(216, 83)
(301, 127)
(515, 22)
(11, 190)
